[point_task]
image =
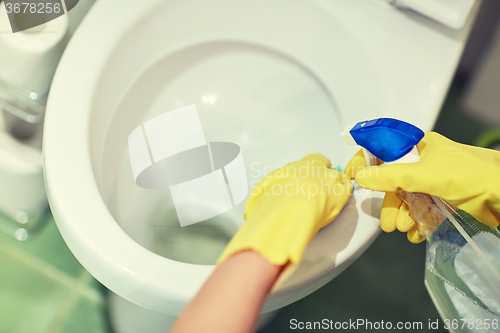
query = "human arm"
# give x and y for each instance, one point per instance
(231, 299)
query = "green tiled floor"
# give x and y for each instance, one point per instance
(43, 288)
(30, 300)
(49, 247)
(87, 316)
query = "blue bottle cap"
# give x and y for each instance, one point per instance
(386, 138)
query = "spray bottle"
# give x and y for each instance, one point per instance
(462, 265)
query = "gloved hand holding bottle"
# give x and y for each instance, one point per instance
(464, 176)
(446, 193)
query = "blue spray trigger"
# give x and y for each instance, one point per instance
(386, 138)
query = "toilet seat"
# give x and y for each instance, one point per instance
(79, 119)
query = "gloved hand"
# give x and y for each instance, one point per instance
(288, 207)
(466, 177)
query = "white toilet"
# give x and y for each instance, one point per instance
(279, 78)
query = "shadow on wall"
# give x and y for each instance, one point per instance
(471, 107)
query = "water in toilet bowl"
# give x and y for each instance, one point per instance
(199, 243)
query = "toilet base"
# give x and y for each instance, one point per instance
(128, 317)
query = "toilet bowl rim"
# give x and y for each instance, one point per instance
(136, 272)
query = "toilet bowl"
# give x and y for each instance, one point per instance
(279, 78)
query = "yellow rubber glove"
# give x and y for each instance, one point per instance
(288, 207)
(466, 177)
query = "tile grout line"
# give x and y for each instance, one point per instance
(51, 271)
(87, 291)
(68, 306)
(39, 265)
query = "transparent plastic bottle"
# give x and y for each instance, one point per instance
(462, 264)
